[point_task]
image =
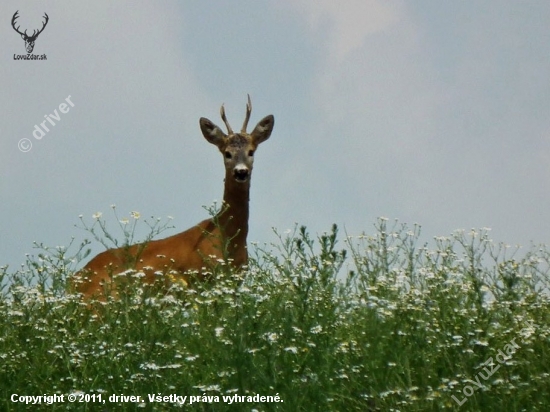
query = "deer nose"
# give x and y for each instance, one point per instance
(241, 173)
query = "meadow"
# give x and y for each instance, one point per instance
(377, 322)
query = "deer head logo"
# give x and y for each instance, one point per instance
(29, 40)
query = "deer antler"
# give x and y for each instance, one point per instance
(222, 113)
(43, 26)
(247, 118)
(34, 33)
(15, 17)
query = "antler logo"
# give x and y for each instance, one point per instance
(29, 40)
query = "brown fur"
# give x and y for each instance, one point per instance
(198, 248)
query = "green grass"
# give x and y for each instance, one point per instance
(377, 322)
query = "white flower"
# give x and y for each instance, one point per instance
(150, 365)
(135, 215)
(97, 215)
(173, 366)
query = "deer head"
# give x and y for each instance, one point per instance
(29, 40)
(238, 148)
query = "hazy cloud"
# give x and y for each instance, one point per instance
(345, 25)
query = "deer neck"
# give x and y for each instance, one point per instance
(234, 214)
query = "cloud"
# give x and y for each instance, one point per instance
(347, 24)
(415, 123)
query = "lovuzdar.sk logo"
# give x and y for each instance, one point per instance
(29, 39)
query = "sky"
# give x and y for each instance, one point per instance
(435, 113)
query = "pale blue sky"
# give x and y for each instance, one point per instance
(431, 112)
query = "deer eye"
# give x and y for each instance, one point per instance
(251, 153)
(227, 155)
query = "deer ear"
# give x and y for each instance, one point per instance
(263, 129)
(211, 132)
